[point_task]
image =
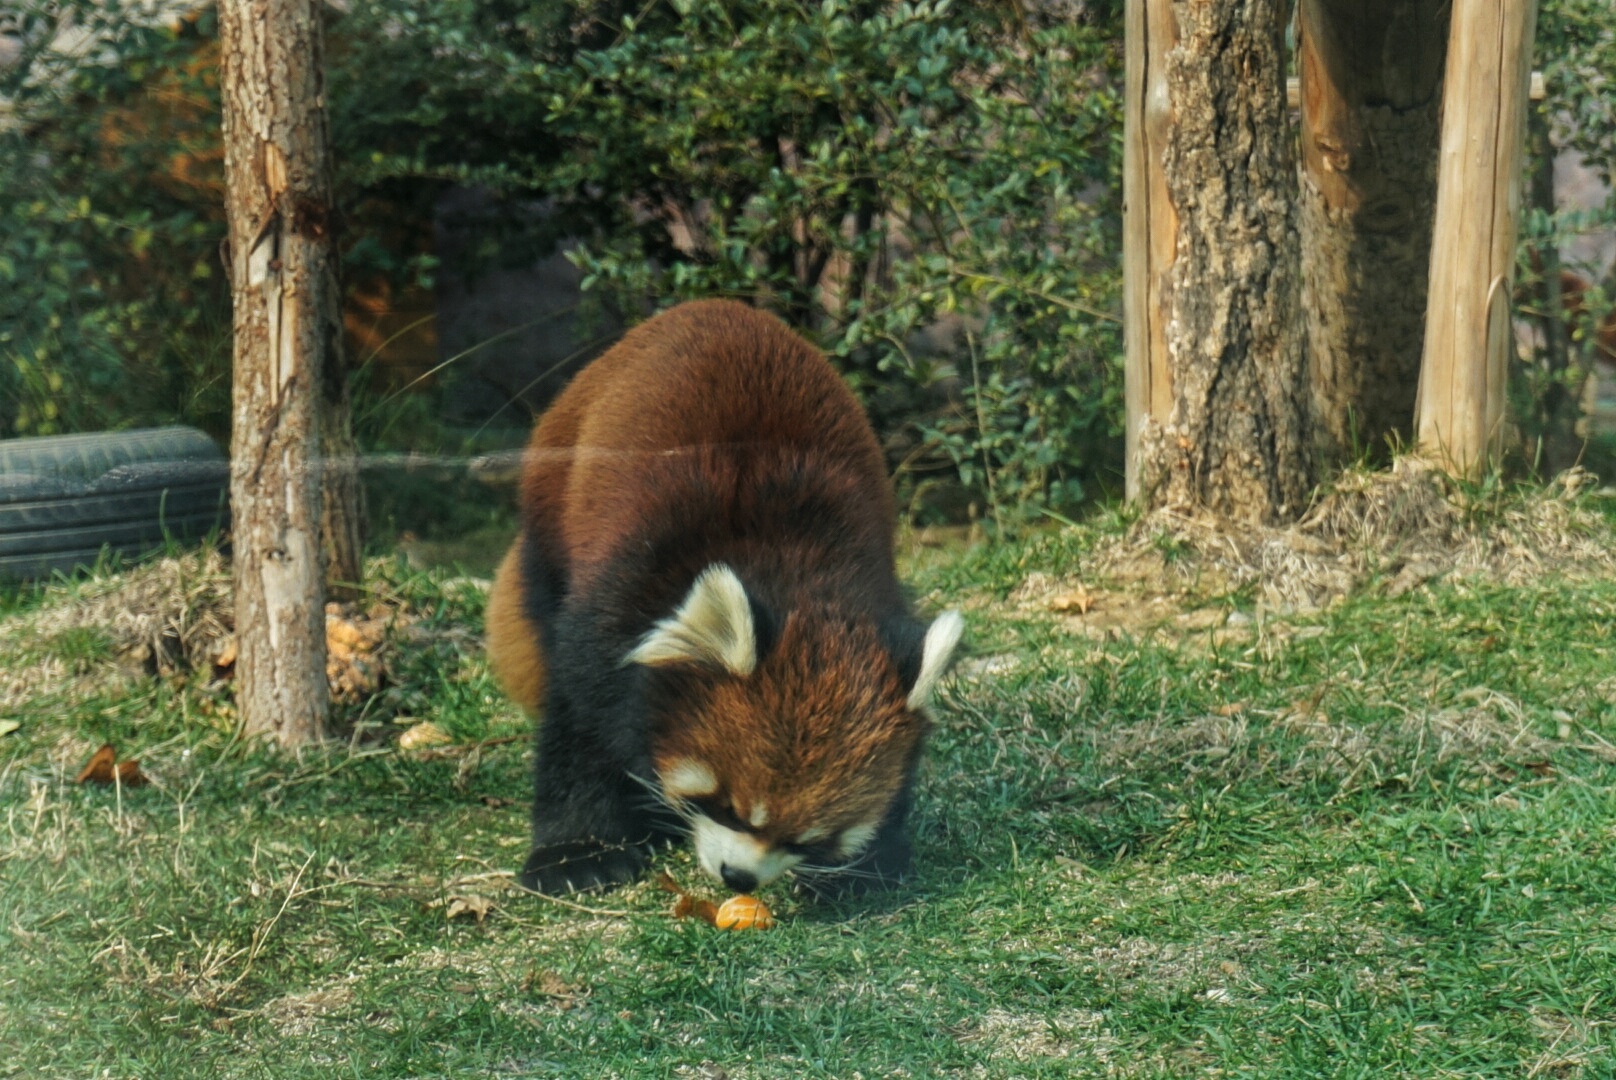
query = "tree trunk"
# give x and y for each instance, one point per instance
(1557, 407)
(1371, 78)
(1468, 334)
(282, 271)
(1236, 440)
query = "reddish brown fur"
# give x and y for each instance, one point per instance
(710, 436)
(513, 642)
(646, 396)
(585, 483)
(782, 738)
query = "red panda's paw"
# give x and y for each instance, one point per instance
(583, 866)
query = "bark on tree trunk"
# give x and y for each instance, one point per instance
(1371, 79)
(1468, 335)
(282, 270)
(342, 496)
(1236, 441)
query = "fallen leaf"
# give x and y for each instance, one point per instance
(1077, 600)
(227, 653)
(422, 735)
(105, 768)
(98, 770)
(474, 905)
(548, 984)
(8, 726)
(687, 906)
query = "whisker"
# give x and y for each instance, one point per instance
(846, 869)
(681, 808)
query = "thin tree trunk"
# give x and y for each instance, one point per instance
(1371, 78)
(282, 276)
(1468, 334)
(1558, 406)
(1236, 441)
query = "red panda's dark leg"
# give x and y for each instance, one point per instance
(589, 830)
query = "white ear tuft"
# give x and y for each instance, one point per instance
(941, 637)
(712, 626)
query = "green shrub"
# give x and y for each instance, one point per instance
(934, 158)
(113, 304)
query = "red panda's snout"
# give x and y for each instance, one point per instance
(787, 757)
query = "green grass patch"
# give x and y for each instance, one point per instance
(1375, 841)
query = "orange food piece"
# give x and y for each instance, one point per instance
(744, 913)
(736, 913)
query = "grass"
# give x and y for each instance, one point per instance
(1374, 841)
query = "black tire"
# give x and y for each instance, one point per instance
(89, 456)
(65, 500)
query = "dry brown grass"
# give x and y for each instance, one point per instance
(175, 615)
(166, 615)
(1400, 527)
(170, 613)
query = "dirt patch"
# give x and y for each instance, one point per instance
(298, 1014)
(1571, 1045)
(1023, 1037)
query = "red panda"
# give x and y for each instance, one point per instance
(702, 609)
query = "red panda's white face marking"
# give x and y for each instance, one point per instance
(856, 839)
(724, 853)
(686, 778)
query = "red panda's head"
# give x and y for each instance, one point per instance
(786, 751)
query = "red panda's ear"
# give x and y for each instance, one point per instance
(935, 653)
(712, 626)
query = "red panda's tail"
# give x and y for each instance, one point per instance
(513, 640)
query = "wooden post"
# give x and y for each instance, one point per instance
(1468, 334)
(285, 322)
(1149, 224)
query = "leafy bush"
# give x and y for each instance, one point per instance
(113, 304)
(1576, 51)
(926, 189)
